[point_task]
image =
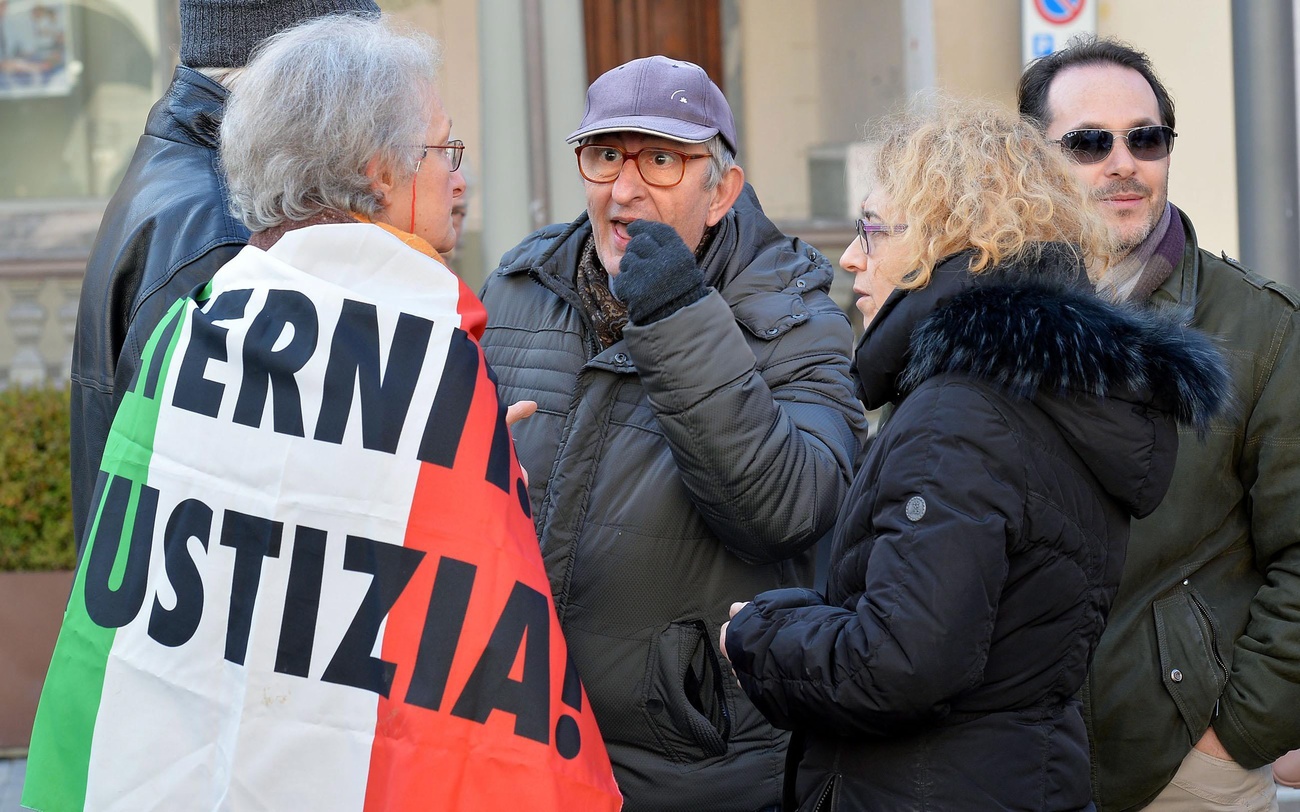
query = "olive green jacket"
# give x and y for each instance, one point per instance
(1206, 627)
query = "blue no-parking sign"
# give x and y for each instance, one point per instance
(1059, 12)
(1046, 25)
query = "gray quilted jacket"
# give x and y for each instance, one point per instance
(689, 465)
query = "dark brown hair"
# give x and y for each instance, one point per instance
(1036, 81)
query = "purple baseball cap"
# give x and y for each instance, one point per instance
(656, 95)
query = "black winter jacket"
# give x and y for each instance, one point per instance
(980, 546)
(687, 466)
(167, 229)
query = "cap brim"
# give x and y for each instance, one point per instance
(671, 128)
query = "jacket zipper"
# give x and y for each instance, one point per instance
(571, 299)
(1214, 641)
(593, 349)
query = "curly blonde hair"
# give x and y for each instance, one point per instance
(966, 174)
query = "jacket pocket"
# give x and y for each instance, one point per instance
(1192, 669)
(826, 798)
(685, 700)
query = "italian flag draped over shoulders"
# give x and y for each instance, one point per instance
(311, 581)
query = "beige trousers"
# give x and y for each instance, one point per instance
(1204, 783)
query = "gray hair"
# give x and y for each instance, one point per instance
(226, 77)
(720, 160)
(315, 105)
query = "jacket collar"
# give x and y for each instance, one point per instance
(1102, 373)
(268, 237)
(1036, 328)
(544, 250)
(1181, 286)
(191, 108)
(882, 352)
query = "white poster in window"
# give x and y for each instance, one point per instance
(36, 56)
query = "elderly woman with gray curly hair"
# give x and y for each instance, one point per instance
(343, 129)
(980, 545)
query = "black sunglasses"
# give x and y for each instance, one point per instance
(1144, 143)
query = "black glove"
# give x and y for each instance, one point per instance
(658, 273)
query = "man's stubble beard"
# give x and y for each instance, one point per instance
(1122, 246)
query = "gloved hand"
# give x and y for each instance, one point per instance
(658, 274)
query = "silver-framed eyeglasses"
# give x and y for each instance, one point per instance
(866, 229)
(1089, 146)
(602, 163)
(453, 151)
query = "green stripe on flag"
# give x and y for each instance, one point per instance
(58, 762)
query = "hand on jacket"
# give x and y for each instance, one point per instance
(658, 274)
(520, 410)
(722, 635)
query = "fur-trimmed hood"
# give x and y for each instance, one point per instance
(1037, 330)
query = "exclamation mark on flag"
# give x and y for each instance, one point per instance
(568, 740)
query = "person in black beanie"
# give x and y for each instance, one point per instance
(168, 227)
(695, 432)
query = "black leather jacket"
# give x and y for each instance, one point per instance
(167, 229)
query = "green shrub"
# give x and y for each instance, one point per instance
(35, 491)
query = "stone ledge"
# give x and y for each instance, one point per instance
(48, 230)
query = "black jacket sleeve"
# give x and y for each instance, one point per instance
(950, 498)
(765, 445)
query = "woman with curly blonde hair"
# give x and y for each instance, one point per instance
(974, 176)
(980, 546)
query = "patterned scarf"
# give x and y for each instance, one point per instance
(608, 315)
(1135, 277)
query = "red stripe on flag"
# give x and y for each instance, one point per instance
(431, 758)
(473, 316)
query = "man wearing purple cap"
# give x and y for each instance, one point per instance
(696, 427)
(168, 227)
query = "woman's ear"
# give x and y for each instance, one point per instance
(381, 179)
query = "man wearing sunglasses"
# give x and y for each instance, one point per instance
(695, 431)
(1195, 685)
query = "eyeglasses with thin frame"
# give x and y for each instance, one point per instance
(1090, 146)
(866, 228)
(453, 151)
(601, 163)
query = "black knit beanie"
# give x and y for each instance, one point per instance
(221, 33)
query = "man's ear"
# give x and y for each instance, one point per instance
(381, 180)
(726, 193)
